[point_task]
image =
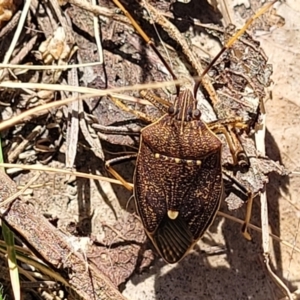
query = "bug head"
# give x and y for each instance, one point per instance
(185, 107)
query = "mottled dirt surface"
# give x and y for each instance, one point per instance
(223, 264)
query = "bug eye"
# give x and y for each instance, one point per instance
(196, 114)
(171, 111)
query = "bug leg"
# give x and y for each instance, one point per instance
(160, 103)
(242, 158)
(245, 232)
(108, 166)
(250, 197)
(139, 114)
(117, 129)
(227, 127)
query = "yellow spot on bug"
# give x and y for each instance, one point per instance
(157, 155)
(198, 162)
(177, 160)
(189, 162)
(173, 214)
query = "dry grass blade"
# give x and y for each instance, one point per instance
(11, 260)
(17, 33)
(56, 170)
(72, 133)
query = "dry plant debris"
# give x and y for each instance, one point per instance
(83, 134)
(7, 10)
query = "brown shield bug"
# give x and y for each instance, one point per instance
(178, 181)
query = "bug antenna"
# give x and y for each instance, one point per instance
(231, 42)
(165, 64)
(197, 83)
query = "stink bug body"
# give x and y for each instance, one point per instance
(178, 178)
